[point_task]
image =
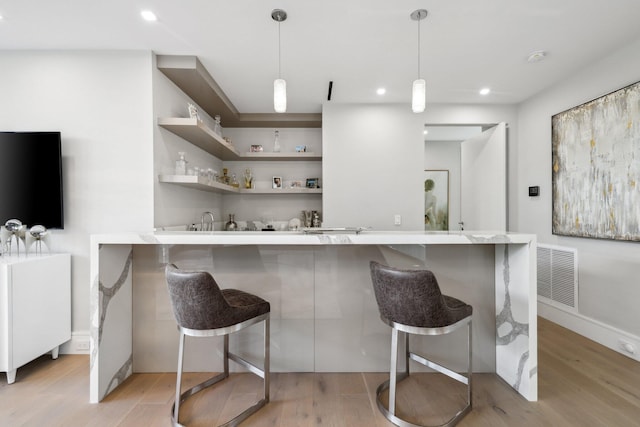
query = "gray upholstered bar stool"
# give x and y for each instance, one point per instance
(202, 309)
(410, 302)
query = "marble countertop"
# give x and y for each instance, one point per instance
(300, 238)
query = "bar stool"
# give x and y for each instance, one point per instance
(410, 302)
(202, 309)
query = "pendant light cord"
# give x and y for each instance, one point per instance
(279, 50)
(419, 48)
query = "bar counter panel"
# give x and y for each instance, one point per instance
(323, 310)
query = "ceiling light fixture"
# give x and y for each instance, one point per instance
(418, 94)
(147, 15)
(279, 85)
(381, 91)
(485, 91)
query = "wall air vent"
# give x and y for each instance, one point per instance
(558, 276)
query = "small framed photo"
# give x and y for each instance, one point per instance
(301, 148)
(312, 182)
(256, 149)
(276, 183)
(193, 111)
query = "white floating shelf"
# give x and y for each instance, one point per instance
(198, 183)
(199, 134)
(260, 155)
(281, 191)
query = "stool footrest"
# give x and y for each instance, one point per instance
(208, 383)
(250, 366)
(403, 423)
(437, 367)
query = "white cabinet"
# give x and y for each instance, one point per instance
(35, 308)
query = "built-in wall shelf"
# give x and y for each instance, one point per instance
(282, 156)
(198, 183)
(201, 135)
(203, 183)
(282, 191)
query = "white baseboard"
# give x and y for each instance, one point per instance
(78, 344)
(595, 330)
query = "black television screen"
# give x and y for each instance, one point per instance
(31, 178)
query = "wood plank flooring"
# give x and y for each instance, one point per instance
(580, 384)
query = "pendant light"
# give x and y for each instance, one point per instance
(279, 84)
(418, 94)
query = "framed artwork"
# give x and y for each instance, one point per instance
(312, 182)
(436, 200)
(596, 168)
(277, 182)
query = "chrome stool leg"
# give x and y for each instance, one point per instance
(262, 373)
(395, 378)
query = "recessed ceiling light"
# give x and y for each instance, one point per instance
(147, 15)
(536, 56)
(485, 91)
(425, 132)
(381, 91)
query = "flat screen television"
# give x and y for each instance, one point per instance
(31, 178)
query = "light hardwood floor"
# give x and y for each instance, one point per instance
(580, 384)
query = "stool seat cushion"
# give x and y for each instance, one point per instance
(413, 298)
(199, 303)
(245, 304)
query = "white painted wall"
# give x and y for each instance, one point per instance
(101, 102)
(373, 166)
(383, 145)
(609, 288)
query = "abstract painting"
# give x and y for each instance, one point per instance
(596, 167)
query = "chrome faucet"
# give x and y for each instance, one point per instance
(208, 224)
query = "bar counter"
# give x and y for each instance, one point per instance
(324, 317)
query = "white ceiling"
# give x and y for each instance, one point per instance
(358, 44)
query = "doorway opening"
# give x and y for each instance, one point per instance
(466, 173)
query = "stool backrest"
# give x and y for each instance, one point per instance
(409, 297)
(196, 299)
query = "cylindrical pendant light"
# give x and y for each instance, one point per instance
(280, 95)
(419, 92)
(279, 84)
(419, 95)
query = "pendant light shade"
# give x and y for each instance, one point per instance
(419, 92)
(280, 95)
(279, 85)
(418, 96)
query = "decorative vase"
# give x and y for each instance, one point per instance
(276, 142)
(248, 178)
(231, 225)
